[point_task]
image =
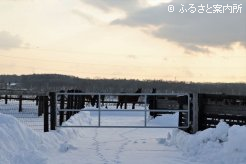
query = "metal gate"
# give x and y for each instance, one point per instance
(107, 104)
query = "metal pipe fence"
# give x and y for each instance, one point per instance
(109, 104)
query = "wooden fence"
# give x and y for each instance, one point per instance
(19, 98)
(206, 109)
(213, 108)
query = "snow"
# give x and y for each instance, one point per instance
(222, 144)
(20, 144)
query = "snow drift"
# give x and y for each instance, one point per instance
(19, 144)
(223, 144)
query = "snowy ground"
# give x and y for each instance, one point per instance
(20, 144)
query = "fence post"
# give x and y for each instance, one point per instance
(37, 97)
(195, 113)
(41, 106)
(61, 107)
(20, 103)
(200, 112)
(69, 105)
(45, 107)
(52, 110)
(6, 99)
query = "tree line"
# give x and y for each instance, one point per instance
(57, 82)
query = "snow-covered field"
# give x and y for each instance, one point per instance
(19, 144)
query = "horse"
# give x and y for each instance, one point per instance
(95, 100)
(77, 101)
(152, 103)
(128, 99)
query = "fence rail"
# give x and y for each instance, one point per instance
(196, 111)
(213, 108)
(71, 104)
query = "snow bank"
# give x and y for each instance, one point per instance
(19, 144)
(81, 118)
(220, 145)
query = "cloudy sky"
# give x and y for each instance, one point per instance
(200, 41)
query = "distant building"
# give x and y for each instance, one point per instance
(11, 85)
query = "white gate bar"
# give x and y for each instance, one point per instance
(145, 110)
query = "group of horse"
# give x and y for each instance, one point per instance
(81, 98)
(123, 99)
(94, 99)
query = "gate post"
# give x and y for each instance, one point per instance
(185, 118)
(43, 102)
(37, 98)
(61, 107)
(20, 103)
(52, 110)
(6, 99)
(195, 113)
(41, 106)
(68, 105)
(201, 98)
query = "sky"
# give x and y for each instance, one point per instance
(200, 41)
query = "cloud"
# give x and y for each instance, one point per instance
(193, 31)
(9, 41)
(107, 5)
(132, 56)
(84, 16)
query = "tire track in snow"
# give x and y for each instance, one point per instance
(98, 148)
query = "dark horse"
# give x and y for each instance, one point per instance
(95, 100)
(77, 101)
(128, 99)
(152, 103)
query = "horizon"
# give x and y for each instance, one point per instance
(143, 80)
(134, 39)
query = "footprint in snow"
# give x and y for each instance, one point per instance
(66, 147)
